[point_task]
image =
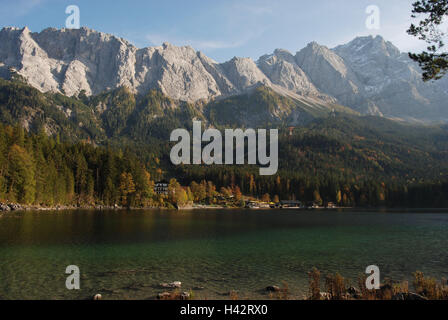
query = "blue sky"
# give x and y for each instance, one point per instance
(222, 29)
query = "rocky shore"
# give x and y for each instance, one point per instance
(386, 292)
(5, 207)
(8, 207)
(175, 291)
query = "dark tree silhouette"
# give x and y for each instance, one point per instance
(433, 62)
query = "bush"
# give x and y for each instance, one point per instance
(336, 286)
(314, 282)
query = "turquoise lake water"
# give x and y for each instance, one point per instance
(125, 255)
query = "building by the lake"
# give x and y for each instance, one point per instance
(161, 187)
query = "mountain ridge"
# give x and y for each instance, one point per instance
(368, 74)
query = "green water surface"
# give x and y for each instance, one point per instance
(125, 255)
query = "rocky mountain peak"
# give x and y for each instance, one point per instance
(244, 73)
(282, 69)
(368, 46)
(368, 74)
(390, 80)
(314, 51)
(329, 73)
(284, 55)
(25, 30)
(313, 45)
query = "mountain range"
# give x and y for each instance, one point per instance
(368, 75)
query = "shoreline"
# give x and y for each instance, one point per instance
(14, 207)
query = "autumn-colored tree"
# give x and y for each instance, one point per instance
(317, 197)
(177, 194)
(339, 197)
(181, 197)
(237, 193)
(148, 187)
(211, 191)
(173, 188)
(190, 195)
(252, 185)
(226, 192)
(127, 187)
(278, 184)
(266, 198)
(199, 191)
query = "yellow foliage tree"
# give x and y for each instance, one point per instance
(127, 187)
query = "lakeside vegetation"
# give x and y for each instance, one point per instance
(336, 287)
(38, 170)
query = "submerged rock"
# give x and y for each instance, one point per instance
(198, 288)
(273, 289)
(354, 292)
(163, 296)
(172, 285)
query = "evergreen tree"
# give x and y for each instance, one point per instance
(21, 175)
(433, 62)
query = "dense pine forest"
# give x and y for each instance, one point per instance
(36, 169)
(111, 149)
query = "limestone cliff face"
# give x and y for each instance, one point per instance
(330, 74)
(283, 70)
(368, 74)
(70, 61)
